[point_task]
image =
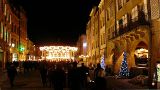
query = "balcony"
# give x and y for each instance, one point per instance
(140, 20)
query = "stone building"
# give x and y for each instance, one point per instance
(82, 49)
(92, 36)
(130, 26)
(13, 32)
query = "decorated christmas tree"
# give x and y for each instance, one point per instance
(103, 62)
(124, 67)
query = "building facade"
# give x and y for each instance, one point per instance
(92, 35)
(126, 26)
(82, 49)
(13, 33)
(31, 51)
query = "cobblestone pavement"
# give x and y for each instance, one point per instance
(32, 81)
(29, 81)
(122, 84)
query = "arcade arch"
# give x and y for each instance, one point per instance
(141, 54)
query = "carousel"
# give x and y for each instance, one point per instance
(58, 53)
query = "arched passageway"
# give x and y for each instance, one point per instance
(141, 55)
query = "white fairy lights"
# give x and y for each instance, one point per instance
(58, 52)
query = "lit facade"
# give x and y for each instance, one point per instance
(13, 33)
(88, 40)
(125, 26)
(92, 34)
(82, 49)
(31, 51)
(102, 28)
(58, 53)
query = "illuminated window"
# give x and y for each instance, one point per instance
(2, 30)
(134, 13)
(5, 9)
(124, 20)
(10, 19)
(117, 25)
(4, 35)
(145, 10)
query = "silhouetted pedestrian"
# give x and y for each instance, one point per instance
(97, 70)
(43, 72)
(50, 76)
(100, 81)
(74, 78)
(59, 78)
(11, 71)
(84, 72)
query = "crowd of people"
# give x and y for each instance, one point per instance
(59, 75)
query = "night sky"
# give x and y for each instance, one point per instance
(57, 21)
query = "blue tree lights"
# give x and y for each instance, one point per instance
(103, 65)
(124, 66)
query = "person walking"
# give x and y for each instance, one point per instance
(43, 73)
(11, 71)
(74, 77)
(97, 70)
(59, 78)
(100, 81)
(84, 73)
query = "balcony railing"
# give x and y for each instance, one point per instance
(140, 20)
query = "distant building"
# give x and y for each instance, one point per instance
(82, 49)
(92, 37)
(31, 49)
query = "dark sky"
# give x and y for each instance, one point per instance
(52, 21)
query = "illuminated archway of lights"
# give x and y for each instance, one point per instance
(58, 52)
